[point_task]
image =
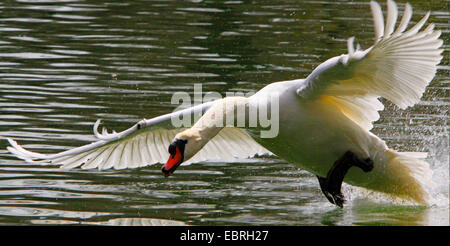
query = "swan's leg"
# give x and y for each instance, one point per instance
(331, 185)
(334, 197)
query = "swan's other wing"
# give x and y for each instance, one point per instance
(397, 67)
(144, 144)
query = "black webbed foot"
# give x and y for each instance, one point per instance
(335, 197)
(331, 185)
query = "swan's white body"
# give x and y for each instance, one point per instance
(314, 134)
(320, 117)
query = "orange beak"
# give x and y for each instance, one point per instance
(173, 162)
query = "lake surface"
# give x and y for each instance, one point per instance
(64, 64)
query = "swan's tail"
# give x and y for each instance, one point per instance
(404, 175)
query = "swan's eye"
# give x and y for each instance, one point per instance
(172, 149)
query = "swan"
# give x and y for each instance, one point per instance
(324, 120)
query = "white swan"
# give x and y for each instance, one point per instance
(324, 120)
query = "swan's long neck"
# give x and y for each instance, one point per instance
(220, 114)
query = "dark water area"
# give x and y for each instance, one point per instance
(65, 64)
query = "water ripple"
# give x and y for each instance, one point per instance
(66, 63)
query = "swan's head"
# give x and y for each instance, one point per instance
(185, 145)
(176, 151)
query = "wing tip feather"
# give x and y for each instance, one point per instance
(377, 19)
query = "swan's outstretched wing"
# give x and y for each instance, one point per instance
(144, 144)
(397, 67)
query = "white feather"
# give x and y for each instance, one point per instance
(391, 18)
(377, 19)
(350, 46)
(405, 20)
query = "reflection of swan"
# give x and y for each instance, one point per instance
(324, 120)
(139, 222)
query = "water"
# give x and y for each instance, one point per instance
(64, 64)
